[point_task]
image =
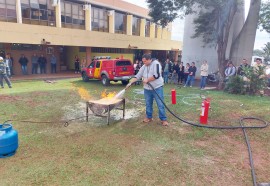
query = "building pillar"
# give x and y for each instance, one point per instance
(152, 30)
(111, 21)
(169, 31)
(142, 27)
(176, 54)
(169, 36)
(88, 25)
(88, 56)
(58, 14)
(164, 34)
(19, 11)
(159, 32)
(129, 24)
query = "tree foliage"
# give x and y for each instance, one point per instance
(266, 51)
(165, 11)
(258, 52)
(265, 16)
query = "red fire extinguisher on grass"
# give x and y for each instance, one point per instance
(204, 111)
(173, 96)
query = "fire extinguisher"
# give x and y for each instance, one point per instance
(173, 96)
(204, 111)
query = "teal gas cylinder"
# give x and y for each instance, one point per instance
(8, 140)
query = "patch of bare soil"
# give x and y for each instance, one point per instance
(10, 99)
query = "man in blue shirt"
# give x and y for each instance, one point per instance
(53, 63)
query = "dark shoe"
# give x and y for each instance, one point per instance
(10, 86)
(2, 87)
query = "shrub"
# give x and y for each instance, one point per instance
(235, 85)
(256, 79)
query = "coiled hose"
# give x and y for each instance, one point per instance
(241, 121)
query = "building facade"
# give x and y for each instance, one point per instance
(85, 28)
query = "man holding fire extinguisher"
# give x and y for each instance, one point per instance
(151, 73)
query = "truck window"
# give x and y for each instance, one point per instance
(123, 63)
(98, 64)
(92, 65)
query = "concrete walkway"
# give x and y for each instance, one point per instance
(60, 75)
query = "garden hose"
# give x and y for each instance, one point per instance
(264, 125)
(227, 128)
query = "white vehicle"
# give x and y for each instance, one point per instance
(253, 60)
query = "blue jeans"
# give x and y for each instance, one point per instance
(203, 81)
(166, 74)
(24, 69)
(190, 80)
(53, 68)
(149, 96)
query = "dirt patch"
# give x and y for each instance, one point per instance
(79, 111)
(10, 99)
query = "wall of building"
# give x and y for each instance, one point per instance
(34, 34)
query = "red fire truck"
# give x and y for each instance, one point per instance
(107, 70)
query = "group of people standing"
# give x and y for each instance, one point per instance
(38, 61)
(184, 74)
(180, 73)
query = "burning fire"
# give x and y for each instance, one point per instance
(104, 94)
(84, 93)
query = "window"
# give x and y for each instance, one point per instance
(82, 49)
(29, 47)
(99, 19)
(123, 63)
(38, 12)
(120, 23)
(98, 64)
(92, 65)
(72, 15)
(8, 11)
(136, 26)
(111, 50)
(147, 28)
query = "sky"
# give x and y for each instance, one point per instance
(178, 26)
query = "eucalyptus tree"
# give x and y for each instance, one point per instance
(212, 24)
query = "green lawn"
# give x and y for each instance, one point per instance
(129, 152)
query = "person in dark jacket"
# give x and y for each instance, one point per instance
(240, 70)
(77, 64)
(191, 76)
(181, 73)
(42, 61)
(175, 71)
(23, 61)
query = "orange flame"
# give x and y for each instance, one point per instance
(104, 94)
(84, 93)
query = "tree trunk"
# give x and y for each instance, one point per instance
(243, 46)
(222, 45)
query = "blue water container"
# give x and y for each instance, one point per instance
(8, 140)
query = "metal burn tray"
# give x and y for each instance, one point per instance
(102, 106)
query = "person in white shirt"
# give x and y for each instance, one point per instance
(204, 74)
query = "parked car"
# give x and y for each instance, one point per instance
(108, 70)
